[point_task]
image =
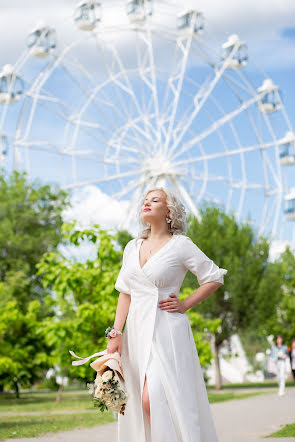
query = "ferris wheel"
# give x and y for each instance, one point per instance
(145, 95)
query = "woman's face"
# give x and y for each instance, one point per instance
(279, 341)
(154, 207)
(293, 345)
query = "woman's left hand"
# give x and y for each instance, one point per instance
(172, 304)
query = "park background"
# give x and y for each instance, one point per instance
(61, 253)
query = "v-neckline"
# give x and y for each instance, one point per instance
(156, 253)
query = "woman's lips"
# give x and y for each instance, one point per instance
(146, 210)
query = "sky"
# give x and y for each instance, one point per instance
(267, 27)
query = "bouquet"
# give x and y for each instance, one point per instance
(108, 393)
(108, 390)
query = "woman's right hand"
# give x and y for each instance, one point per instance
(115, 344)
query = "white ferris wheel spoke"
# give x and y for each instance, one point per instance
(201, 97)
(218, 123)
(102, 180)
(177, 90)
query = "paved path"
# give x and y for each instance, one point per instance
(245, 420)
(249, 420)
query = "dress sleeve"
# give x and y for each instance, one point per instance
(121, 283)
(199, 264)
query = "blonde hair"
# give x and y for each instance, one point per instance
(178, 225)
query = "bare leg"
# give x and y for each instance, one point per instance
(146, 400)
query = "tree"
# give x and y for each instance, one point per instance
(30, 225)
(23, 354)
(83, 296)
(283, 321)
(244, 300)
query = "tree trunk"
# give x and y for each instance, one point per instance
(16, 389)
(218, 379)
(58, 396)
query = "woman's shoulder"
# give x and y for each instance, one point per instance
(131, 243)
(182, 237)
(184, 240)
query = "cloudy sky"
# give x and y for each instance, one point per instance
(267, 26)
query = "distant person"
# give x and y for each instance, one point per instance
(279, 354)
(292, 357)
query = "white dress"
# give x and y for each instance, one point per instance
(160, 345)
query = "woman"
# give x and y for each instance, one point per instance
(167, 394)
(292, 357)
(279, 353)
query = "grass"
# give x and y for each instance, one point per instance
(75, 401)
(32, 426)
(265, 384)
(287, 431)
(223, 397)
(47, 402)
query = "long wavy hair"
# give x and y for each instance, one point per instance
(177, 213)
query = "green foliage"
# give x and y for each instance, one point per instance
(30, 222)
(202, 329)
(83, 296)
(283, 322)
(252, 287)
(23, 350)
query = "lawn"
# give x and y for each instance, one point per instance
(32, 426)
(222, 397)
(287, 431)
(70, 400)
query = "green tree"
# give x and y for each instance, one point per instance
(23, 354)
(252, 287)
(30, 225)
(283, 322)
(83, 296)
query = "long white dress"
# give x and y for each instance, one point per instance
(160, 345)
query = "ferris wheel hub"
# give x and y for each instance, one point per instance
(160, 165)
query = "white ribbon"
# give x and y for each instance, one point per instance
(84, 360)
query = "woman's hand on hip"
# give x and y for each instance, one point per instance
(115, 344)
(172, 304)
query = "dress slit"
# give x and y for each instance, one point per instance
(147, 426)
(160, 412)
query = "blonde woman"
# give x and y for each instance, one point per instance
(167, 395)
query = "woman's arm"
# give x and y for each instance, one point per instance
(115, 344)
(173, 304)
(202, 292)
(122, 310)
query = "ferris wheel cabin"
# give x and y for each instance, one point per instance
(3, 148)
(270, 101)
(290, 205)
(138, 10)
(87, 15)
(190, 22)
(235, 51)
(41, 41)
(287, 149)
(11, 85)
